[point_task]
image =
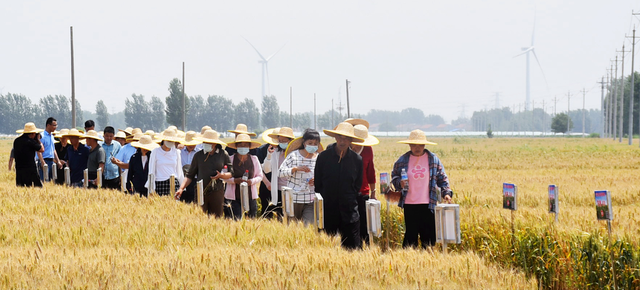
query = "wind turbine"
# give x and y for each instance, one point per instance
(527, 50)
(265, 67)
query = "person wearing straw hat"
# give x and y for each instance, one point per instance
(243, 163)
(124, 155)
(208, 165)
(275, 157)
(264, 192)
(425, 173)
(298, 168)
(186, 155)
(96, 159)
(338, 178)
(77, 155)
(61, 150)
(368, 188)
(204, 129)
(24, 153)
(138, 171)
(49, 156)
(165, 161)
(111, 170)
(240, 129)
(121, 137)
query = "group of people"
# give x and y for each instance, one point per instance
(343, 173)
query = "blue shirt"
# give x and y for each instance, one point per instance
(125, 153)
(47, 142)
(77, 161)
(187, 156)
(110, 169)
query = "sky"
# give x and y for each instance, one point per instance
(448, 58)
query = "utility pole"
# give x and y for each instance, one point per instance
(184, 103)
(602, 107)
(609, 100)
(583, 110)
(621, 112)
(615, 103)
(632, 96)
(348, 109)
(568, 110)
(73, 86)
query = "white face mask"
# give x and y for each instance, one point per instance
(207, 147)
(169, 144)
(243, 150)
(311, 149)
(283, 145)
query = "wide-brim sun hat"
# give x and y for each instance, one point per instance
(354, 122)
(169, 135)
(297, 144)
(135, 137)
(146, 143)
(121, 134)
(343, 129)
(362, 132)
(92, 134)
(244, 138)
(242, 129)
(417, 137)
(136, 131)
(126, 131)
(29, 128)
(190, 139)
(269, 140)
(211, 137)
(284, 132)
(61, 133)
(204, 129)
(74, 133)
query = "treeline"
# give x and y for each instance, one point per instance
(536, 120)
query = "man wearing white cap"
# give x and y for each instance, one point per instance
(338, 178)
(24, 151)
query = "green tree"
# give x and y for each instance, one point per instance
(270, 112)
(197, 113)
(174, 108)
(157, 117)
(412, 116)
(16, 110)
(137, 112)
(79, 118)
(247, 113)
(102, 114)
(220, 111)
(57, 106)
(559, 123)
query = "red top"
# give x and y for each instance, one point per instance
(368, 170)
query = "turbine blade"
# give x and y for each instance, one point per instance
(541, 70)
(268, 58)
(525, 51)
(262, 57)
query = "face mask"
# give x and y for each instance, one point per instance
(283, 145)
(169, 144)
(207, 147)
(243, 150)
(310, 148)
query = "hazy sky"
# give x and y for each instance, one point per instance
(439, 56)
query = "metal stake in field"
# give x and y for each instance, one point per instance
(67, 176)
(123, 183)
(99, 178)
(172, 186)
(45, 172)
(200, 193)
(613, 265)
(86, 178)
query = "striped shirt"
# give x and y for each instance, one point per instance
(299, 181)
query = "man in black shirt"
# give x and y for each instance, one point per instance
(24, 151)
(338, 178)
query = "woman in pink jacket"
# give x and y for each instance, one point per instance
(243, 164)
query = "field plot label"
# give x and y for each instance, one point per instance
(603, 205)
(509, 196)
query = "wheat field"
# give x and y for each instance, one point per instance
(57, 237)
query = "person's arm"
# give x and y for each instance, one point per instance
(56, 159)
(266, 165)
(152, 166)
(102, 159)
(42, 163)
(229, 163)
(257, 173)
(443, 181)
(287, 166)
(178, 167)
(395, 174)
(10, 163)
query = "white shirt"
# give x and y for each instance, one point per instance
(162, 164)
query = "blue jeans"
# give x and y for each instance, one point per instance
(51, 165)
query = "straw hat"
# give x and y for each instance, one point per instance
(121, 134)
(362, 132)
(241, 138)
(145, 143)
(92, 134)
(61, 133)
(354, 122)
(136, 131)
(190, 139)
(169, 135)
(150, 133)
(284, 132)
(74, 133)
(343, 129)
(181, 134)
(204, 129)
(127, 131)
(297, 144)
(242, 129)
(417, 137)
(269, 140)
(211, 137)
(29, 128)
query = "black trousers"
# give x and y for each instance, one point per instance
(189, 194)
(269, 211)
(419, 220)
(111, 183)
(349, 232)
(28, 177)
(364, 231)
